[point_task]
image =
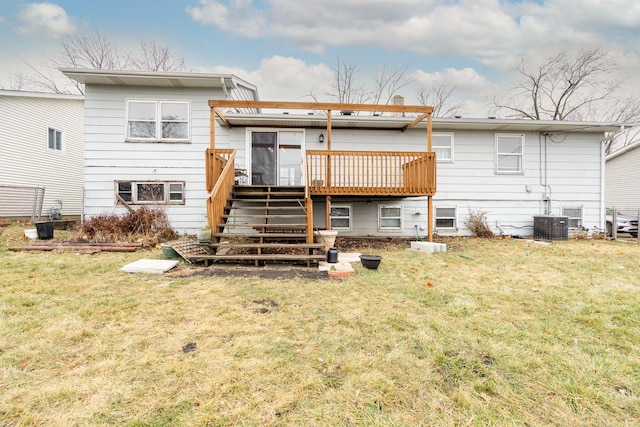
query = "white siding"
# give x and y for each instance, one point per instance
(108, 158)
(622, 183)
(573, 177)
(26, 159)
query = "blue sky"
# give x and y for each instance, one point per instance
(287, 47)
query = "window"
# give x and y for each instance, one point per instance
(389, 217)
(55, 139)
(151, 192)
(443, 146)
(340, 217)
(157, 121)
(574, 214)
(509, 150)
(446, 218)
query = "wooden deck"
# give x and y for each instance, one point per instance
(371, 173)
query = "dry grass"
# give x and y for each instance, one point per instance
(493, 332)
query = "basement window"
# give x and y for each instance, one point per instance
(390, 217)
(151, 192)
(446, 218)
(340, 216)
(574, 213)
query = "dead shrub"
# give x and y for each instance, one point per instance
(148, 225)
(476, 222)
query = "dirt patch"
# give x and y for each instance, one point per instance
(268, 272)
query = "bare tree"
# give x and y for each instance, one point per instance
(155, 57)
(561, 87)
(97, 52)
(388, 82)
(440, 98)
(345, 87)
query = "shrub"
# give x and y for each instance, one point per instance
(142, 225)
(476, 222)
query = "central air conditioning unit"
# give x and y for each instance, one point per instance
(551, 228)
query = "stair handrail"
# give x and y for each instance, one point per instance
(221, 193)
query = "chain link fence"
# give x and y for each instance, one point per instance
(21, 202)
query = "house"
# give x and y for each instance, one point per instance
(276, 171)
(511, 170)
(622, 186)
(145, 139)
(42, 143)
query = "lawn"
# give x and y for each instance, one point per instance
(493, 332)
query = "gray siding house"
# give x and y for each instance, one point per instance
(146, 135)
(42, 145)
(622, 180)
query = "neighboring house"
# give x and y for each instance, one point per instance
(41, 140)
(622, 178)
(145, 139)
(361, 170)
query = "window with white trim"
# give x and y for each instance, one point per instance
(509, 153)
(54, 137)
(390, 217)
(158, 121)
(340, 216)
(446, 218)
(151, 192)
(574, 213)
(442, 144)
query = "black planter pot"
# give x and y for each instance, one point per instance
(370, 261)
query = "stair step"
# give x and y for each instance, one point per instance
(264, 257)
(281, 227)
(292, 201)
(268, 194)
(263, 235)
(265, 208)
(266, 216)
(269, 245)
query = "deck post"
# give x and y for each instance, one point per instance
(327, 207)
(429, 197)
(212, 132)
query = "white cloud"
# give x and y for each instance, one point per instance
(47, 20)
(492, 32)
(282, 78)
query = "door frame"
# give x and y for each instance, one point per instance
(249, 147)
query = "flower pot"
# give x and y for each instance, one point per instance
(338, 274)
(168, 252)
(204, 235)
(328, 237)
(370, 261)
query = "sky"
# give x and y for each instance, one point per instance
(287, 48)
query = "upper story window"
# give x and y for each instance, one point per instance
(443, 146)
(55, 139)
(158, 121)
(509, 153)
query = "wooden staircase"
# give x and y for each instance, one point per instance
(265, 224)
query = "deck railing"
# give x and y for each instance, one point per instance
(220, 168)
(381, 173)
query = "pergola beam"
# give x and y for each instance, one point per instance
(230, 103)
